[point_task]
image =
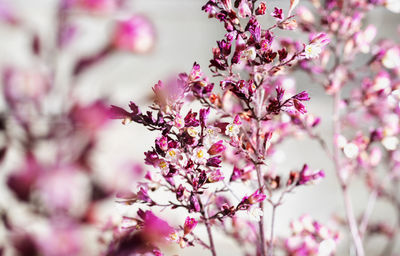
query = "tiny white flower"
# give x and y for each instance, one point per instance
(212, 132)
(163, 165)
(179, 122)
(382, 82)
(200, 155)
(326, 247)
(182, 160)
(391, 59)
(174, 236)
(172, 154)
(249, 54)
(324, 232)
(351, 150)
(192, 131)
(390, 142)
(211, 136)
(393, 5)
(127, 223)
(232, 130)
(375, 156)
(312, 51)
(297, 226)
(340, 141)
(307, 222)
(255, 213)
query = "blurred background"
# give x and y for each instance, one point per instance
(183, 35)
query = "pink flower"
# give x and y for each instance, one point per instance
(307, 176)
(277, 13)
(321, 40)
(244, 9)
(162, 143)
(196, 72)
(215, 176)
(190, 224)
(135, 34)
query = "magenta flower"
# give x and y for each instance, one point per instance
(162, 143)
(277, 13)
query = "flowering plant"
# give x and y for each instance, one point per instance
(361, 74)
(199, 155)
(208, 158)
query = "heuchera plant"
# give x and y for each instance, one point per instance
(215, 135)
(361, 74)
(49, 135)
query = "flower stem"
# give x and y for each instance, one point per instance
(271, 238)
(257, 112)
(261, 222)
(210, 238)
(208, 227)
(351, 220)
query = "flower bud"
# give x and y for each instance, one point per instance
(190, 224)
(217, 148)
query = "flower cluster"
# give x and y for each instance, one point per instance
(366, 101)
(309, 237)
(240, 124)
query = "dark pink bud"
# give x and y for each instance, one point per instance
(279, 93)
(277, 13)
(214, 161)
(162, 143)
(299, 106)
(217, 148)
(194, 203)
(190, 119)
(190, 224)
(180, 192)
(237, 120)
(261, 9)
(204, 112)
(303, 96)
(256, 197)
(151, 158)
(306, 175)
